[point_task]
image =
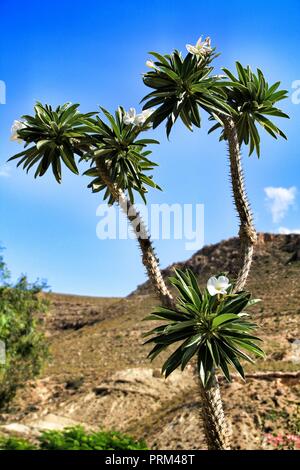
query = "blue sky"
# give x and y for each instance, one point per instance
(94, 53)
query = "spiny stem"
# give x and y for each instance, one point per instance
(215, 425)
(217, 431)
(247, 232)
(149, 258)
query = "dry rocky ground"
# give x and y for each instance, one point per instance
(99, 374)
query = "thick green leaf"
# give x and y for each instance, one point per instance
(221, 319)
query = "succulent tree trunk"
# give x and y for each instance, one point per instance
(149, 258)
(216, 428)
(247, 233)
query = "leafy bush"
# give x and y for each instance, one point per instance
(25, 346)
(14, 443)
(75, 438)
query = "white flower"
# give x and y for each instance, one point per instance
(201, 48)
(146, 114)
(129, 117)
(142, 118)
(218, 285)
(137, 119)
(17, 126)
(150, 64)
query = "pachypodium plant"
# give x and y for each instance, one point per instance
(182, 87)
(55, 135)
(59, 135)
(116, 154)
(123, 153)
(213, 326)
(252, 100)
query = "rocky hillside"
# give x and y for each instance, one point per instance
(72, 312)
(273, 253)
(99, 374)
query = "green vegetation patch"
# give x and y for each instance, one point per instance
(75, 438)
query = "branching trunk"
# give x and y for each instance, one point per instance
(247, 233)
(149, 258)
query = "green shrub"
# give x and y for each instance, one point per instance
(75, 438)
(14, 443)
(25, 346)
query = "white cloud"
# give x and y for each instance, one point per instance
(279, 201)
(5, 171)
(288, 231)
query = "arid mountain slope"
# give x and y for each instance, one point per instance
(99, 374)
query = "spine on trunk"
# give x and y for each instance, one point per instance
(247, 233)
(217, 431)
(149, 258)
